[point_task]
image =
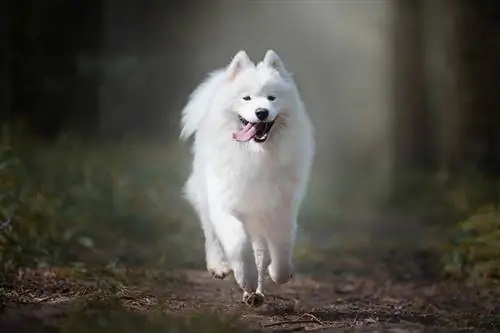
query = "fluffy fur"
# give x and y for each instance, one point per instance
(247, 194)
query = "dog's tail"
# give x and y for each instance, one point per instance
(199, 103)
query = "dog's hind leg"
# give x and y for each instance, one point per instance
(238, 249)
(280, 242)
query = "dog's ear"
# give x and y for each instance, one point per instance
(271, 59)
(240, 61)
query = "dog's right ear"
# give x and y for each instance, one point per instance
(240, 61)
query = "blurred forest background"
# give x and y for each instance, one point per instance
(403, 95)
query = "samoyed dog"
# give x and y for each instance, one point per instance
(253, 150)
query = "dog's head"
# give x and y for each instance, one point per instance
(261, 96)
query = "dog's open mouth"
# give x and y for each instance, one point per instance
(259, 132)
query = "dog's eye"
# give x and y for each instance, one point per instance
(247, 98)
(271, 98)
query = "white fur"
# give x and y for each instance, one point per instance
(247, 194)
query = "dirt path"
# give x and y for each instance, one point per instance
(352, 304)
(340, 303)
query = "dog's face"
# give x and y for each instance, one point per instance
(260, 96)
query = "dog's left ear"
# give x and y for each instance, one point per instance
(271, 59)
(240, 61)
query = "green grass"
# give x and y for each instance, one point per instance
(73, 201)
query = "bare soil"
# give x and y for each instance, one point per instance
(42, 300)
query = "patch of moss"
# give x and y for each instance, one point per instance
(475, 252)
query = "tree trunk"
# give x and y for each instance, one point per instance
(5, 63)
(412, 132)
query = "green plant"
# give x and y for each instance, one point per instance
(475, 252)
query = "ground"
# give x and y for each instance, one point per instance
(127, 300)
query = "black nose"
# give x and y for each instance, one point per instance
(262, 113)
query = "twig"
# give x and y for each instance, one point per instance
(313, 318)
(44, 299)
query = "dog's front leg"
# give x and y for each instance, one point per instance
(214, 253)
(239, 253)
(216, 261)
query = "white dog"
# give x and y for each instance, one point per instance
(253, 151)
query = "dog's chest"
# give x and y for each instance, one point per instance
(258, 183)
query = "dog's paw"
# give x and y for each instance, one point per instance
(254, 299)
(219, 272)
(217, 264)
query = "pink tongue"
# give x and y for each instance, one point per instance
(246, 133)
